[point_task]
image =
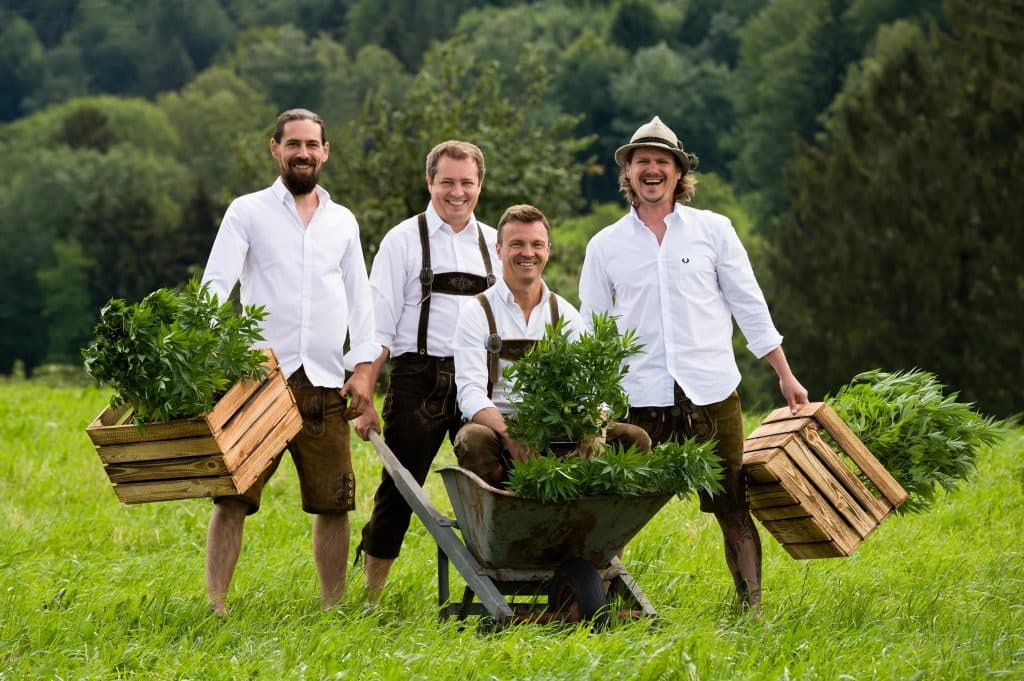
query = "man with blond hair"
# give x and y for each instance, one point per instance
(425, 267)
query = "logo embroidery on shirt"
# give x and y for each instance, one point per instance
(686, 260)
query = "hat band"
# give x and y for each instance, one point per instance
(659, 140)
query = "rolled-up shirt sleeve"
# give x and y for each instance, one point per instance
(471, 359)
(227, 257)
(363, 346)
(746, 300)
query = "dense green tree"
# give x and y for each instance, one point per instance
(68, 310)
(904, 247)
(22, 63)
(454, 96)
(690, 95)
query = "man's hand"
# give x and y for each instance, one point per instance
(366, 422)
(794, 393)
(359, 390)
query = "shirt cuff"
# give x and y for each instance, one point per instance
(470, 406)
(764, 346)
(367, 352)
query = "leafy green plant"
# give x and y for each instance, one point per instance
(564, 390)
(173, 354)
(677, 468)
(924, 438)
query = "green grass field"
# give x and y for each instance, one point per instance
(93, 589)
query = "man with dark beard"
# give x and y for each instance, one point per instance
(679, 276)
(297, 253)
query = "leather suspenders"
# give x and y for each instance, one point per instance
(511, 350)
(452, 283)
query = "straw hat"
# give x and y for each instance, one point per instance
(656, 134)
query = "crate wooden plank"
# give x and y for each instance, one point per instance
(795, 530)
(777, 427)
(158, 450)
(258, 413)
(170, 490)
(825, 549)
(796, 483)
(760, 474)
(878, 509)
(809, 410)
(168, 469)
(128, 433)
(855, 449)
(266, 450)
(830, 489)
(236, 397)
(754, 445)
(267, 416)
(781, 512)
(769, 496)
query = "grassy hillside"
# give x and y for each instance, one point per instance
(90, 588)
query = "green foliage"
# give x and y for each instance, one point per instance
(925, 439)
(561, 387)
(671, 467)
(173, 354)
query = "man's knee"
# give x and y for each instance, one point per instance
(478, 449)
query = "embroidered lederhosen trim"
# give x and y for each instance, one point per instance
(452, 283)
(511, 350)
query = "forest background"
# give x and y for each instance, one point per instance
(870, 152)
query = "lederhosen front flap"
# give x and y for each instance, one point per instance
(510, 350)
(452, 283)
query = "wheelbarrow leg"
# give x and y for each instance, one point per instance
(440, 529)
(625, 584)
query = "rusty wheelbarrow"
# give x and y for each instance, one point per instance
(527, 560)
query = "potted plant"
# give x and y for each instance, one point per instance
(196, 409)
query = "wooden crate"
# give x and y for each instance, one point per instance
(807, 495)
(223, 452)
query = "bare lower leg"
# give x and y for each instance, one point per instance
(742, 555)
(223, 544)
(330, 549)
(376, 575)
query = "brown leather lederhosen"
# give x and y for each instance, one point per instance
(511, 349)
(452, 283)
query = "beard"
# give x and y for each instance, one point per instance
(300, 184)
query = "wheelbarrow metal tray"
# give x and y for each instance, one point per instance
(505, 530)
(221, 453)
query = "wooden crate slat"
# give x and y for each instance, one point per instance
(855, 449)
(777, 427)
(170, 490)
(781, 512)
(127, 433)
(184, 467)
(797, 484)
(878, 508)
(158, 449)
(795, 530)
(258, 460)
(784, 414)
(240, 393)
(760, 473)
(753, 445)
(262, 420)
(825, 549)
(769, 496)
(829, 488)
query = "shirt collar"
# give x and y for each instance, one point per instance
(670, 219)
(434, 223)
(504, 293)
(284, 196)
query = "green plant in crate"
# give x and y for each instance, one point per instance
(924, 437)
(174, 353)
(565, 390)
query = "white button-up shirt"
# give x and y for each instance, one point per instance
(680, 296)
(311, 279)
(395, 280)
(471, 337)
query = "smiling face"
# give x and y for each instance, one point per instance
(523, 250)
(455, 190)
(653, 175)
(300, 155)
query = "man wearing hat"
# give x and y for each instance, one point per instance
(678, 276)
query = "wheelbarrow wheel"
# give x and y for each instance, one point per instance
(576, 581)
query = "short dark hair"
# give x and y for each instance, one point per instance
(457, 150)
(298, 115)
(525, 213)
